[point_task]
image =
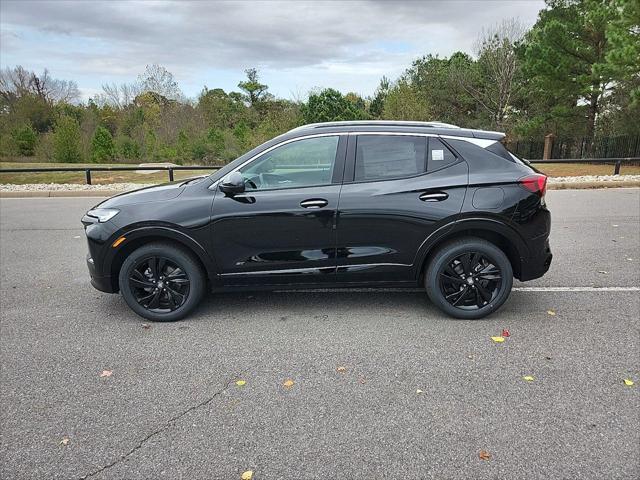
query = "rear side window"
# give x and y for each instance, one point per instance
(389, 156)
(439, 155)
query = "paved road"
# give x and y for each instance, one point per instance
(171, 408)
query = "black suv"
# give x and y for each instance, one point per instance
(338, 204)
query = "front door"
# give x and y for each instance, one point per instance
(281, 230)
(398, 189)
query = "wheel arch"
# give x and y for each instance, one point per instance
(135, 239)
(498, 233)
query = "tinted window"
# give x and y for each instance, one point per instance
(389, 156)
(297, 164)
(439, 155)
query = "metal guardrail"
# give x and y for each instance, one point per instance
(617, 162)
(87, 170)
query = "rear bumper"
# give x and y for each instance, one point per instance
(538, 263)
(99, 282)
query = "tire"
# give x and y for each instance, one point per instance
(462, 291)
(164, 272)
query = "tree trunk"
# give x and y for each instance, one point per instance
(591, 119)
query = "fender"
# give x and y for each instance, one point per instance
(450, 230)
(164, 231)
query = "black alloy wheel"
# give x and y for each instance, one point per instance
(162, 282)
(159, 284)
(470, 281)
(469, 278)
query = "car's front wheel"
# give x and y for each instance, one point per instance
(161, 282)
(469, 278)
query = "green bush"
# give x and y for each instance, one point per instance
(66, 140)
(25, 139)
(102, 147)
(127, 148)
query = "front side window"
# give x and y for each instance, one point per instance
(389, 156)
(301, 163)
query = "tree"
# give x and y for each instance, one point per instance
(329, 105)
(25, 139)
(18, 82)
(66, 140)
(102, 147)
(158, 79)
(623, 57)
(436, 82)
(492, 83)
(565, 54)
(376, 107)
(255, 91)
(404, 102)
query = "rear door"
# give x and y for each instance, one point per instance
(398, 189)
(282, 228)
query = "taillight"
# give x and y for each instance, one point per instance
(535, 183)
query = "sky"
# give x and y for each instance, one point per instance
(297, 46)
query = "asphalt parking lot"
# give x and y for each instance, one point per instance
(171, 408)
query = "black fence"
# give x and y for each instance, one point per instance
(616, 163)
(622, 146)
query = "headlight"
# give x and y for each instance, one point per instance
(103, 214)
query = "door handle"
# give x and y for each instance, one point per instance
(433, 197)
(314, 203)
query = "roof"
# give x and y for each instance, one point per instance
(438, 128)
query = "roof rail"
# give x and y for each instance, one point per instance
(364, 123)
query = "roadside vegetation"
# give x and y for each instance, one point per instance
(576, 73)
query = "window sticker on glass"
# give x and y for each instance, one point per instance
(437, 155)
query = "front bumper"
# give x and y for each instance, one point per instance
(99, 282)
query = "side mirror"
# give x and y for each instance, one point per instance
(232, 184)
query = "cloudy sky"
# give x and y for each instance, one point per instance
(297, 46)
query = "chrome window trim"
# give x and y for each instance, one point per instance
(484, 143)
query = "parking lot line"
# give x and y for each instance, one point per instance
(515, 289)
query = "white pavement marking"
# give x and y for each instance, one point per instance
(576, 289)
(516, 289)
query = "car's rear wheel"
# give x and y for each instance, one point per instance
(161, 282)
(469, 278)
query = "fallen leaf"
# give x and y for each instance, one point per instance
(498, 339)
(484, 455)
(547, 358)
(288, 383)
(248, 475)
(418, 391)
(505, 333)
(146, 326)
(240, 382)
(528, 378)
(64, 441)
(604, 272)
(628, 382)
(362, 380)
(551, 312)
(341, 369)
(106, 373)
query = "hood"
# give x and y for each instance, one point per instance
(157, 193)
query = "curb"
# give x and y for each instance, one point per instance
(586, 185)
(110, 193)
(60, 193)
